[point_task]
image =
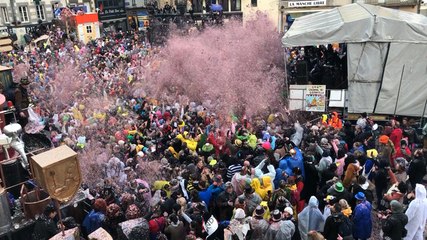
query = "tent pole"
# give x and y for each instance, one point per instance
(422, 116)
(382, 77)
(398, 91)
(419, 6)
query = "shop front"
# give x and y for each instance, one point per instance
(138, 19)
(112, 15)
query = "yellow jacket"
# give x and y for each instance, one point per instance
(252, 141)
(191, 143)
(160, 185)
(77, 114)
(262, 190)
(174, 153)
(264, 204)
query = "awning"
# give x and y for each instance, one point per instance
(114, 20)
(357, 23)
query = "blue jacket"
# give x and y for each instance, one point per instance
(215, 190)
(288, 163)
(206, 196)
(93, 221)
(362, 221)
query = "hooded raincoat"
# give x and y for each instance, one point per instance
(311, 218)
(417, 214)
(286, 231)
(362, 221)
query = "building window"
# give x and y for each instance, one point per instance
(235, 5)
(5, 14)
(197, 6)
(23, 13)
(133, 2)
(89, 29)
(40, 12)
(224, 4)
(254, 3)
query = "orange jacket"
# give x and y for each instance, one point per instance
(335, 121)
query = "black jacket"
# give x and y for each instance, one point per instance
(311, 181)
(332, 224)
(44, 228)
(417, 170)
(225, 211)
(394, 226)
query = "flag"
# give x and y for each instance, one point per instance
(211, 225)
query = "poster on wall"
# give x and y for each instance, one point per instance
(315, 98)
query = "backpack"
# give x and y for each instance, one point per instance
(345, 230)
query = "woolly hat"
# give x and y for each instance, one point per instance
(239, 214)
(266, 145)
(383, 139)
(289, 210)
(396, 206)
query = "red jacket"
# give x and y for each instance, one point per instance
(395, 136)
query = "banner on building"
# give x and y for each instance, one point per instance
(297, 4)
(315, 98)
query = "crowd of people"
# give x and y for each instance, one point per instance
(324, 65)
(176, 170)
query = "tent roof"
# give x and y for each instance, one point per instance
(357, 23)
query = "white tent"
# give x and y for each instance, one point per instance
(387, 55)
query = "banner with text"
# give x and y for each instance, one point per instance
(315, 98)
(296, 4)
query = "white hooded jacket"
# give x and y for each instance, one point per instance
(417, 214)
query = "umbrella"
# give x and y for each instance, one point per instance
(216, 8)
